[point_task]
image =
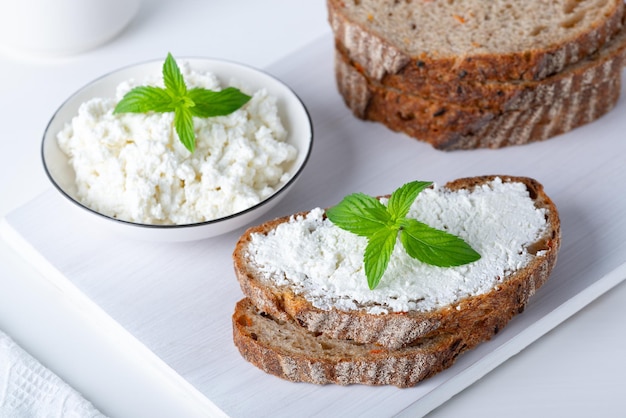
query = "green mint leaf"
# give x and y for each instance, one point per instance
(378, 253)
(210, 103)
(185, 104)
(365, 216)
(433, 246)
(183, 122)
(173, 78)
(401, 200)
(360, 214)
(144, 99)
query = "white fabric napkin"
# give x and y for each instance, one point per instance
(29, 390)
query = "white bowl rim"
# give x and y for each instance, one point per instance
(284, 187)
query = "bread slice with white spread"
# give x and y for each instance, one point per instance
(305, 269)
(446, 41)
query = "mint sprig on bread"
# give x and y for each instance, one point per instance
(366, 216)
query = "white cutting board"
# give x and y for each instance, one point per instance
(177, 299)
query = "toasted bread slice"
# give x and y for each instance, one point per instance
(445, 41)
(273, 292)
(285, 349)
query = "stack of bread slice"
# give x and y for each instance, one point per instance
(465, 74)
(280, 328)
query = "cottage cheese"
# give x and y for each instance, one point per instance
(133, 166)
(325, 263)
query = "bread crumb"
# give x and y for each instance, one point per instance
(459, 19)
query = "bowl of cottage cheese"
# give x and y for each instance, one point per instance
(130, 173)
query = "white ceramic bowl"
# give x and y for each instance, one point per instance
(291, 110)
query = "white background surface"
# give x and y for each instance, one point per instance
(575, 370)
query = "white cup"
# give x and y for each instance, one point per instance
(62, 27)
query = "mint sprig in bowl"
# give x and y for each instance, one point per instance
(222, 158)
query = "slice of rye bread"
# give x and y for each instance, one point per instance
(283, 348)
(603, 66)
(444, 41)
(494, 96)
(394, 330)
(449, 127)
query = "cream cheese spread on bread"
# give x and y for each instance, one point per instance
(324, 263)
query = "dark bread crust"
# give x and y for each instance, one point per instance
(519, 127)
(395, 330)
(284, 349)
(599, 67)
(515, 127)
(380, 58)
(535, 112)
